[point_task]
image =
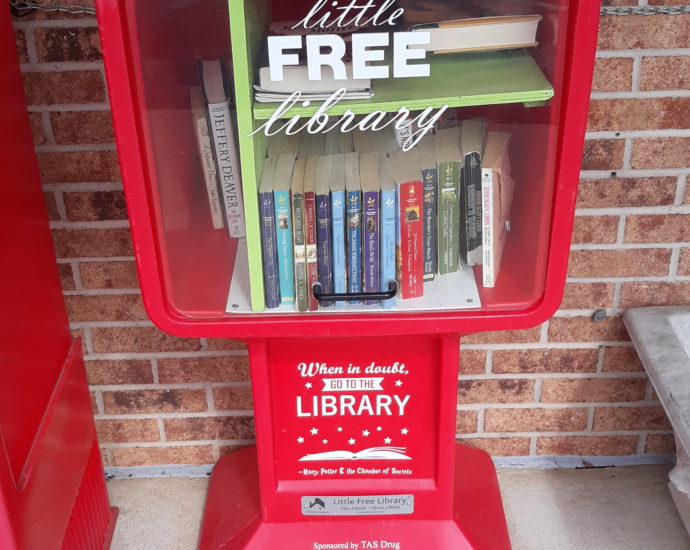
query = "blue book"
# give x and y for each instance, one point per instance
(324, 251)
(340, 164)
(387, 228)
(353, 190)
(269, 249)
(283, 221)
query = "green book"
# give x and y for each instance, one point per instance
(300, 241)
(448, 155)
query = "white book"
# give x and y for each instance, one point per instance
(214, 77)
(297, 78)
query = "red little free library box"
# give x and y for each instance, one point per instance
(354, 406)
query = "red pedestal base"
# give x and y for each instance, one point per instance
(232, 519)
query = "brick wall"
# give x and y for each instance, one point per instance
(569, 387)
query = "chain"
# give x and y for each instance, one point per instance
(19, 7)
(646, 10)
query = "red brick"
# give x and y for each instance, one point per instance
(141, 339)
(665, 73)
(603, 154)
(203, 369)
(595, 229)
(466, 422)
(647, 262)
(154, 401)
(79, 243)
(621, 359)
(65, 87)
(661, 153)
(82, 127)
(535, 420)
(124, 371)
(57, 44)
(545, 360)
(588, 296)
(472, 361)
(499, 446)
(502, 337)
(37, 130)
(127, 431)
(225, 344)
(51, 205)
(66, 277)
(95, 206)
(116, 307)
(148, 456)
(660, 444)
(655, 294)
(613, 74)
(619, 419)
(110, 275)
(684, 264)
(79, 167)
(638, 114)
(621, 192)
(593, 390)
(644, 31)
(496, 391)
(216, 427)
(94, 403)
(233, 398)
(617, 445)
(666, 228)
(22, 52)
(583, 329)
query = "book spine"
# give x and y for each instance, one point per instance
(488, 277)
(225, 148)
(472, 189)
(284, 243)
(387, 250)
(430, 188)
(370, 243)
(354, 243)
(323, 239)
(310, 234)
(208, 164)
(410, 251)
(338, 235)
(298, 223)
(448, 217)
(269, 251)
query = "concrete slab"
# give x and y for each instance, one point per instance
(597, 509)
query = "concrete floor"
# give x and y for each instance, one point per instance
(597, 509)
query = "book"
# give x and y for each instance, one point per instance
(472, 145)
(338, 142)
(381, 141)
(449, 226)
(427, 163)
(296, 77)
(310, 229)
(343, 167)
(280, 143)
(208, 161)
(269, 249)
(281, 196)
(409, 250)
(310, 144)
(497, 195)
(371, 187)
(323, 227)
(387, 228)
(216, 88)
(373, 453)
(353, 188)
(299, 235)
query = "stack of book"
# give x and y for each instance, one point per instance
(353, 213)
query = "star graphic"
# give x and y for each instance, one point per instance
(340, 428)
(300, 440)
(398, 383)
(351, 441)
(325, 441)
(307, 385)
(366, 433)
(404, 431)
(387, 441)
(314, 431)
(379, 428)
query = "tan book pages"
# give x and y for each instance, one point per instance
(447, 145)
(405, 166)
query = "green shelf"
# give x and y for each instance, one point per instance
(457, 80)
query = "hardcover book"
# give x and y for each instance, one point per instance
(323, 227)
(387, 228)
(342, 167)
(448, 155)
(427, 161)
(283, 221)
(215, 80)
(409, 245)
(353, 189)
(269, 249)
(299, 233)
(310, 229)
(473, 138)
(370, 180)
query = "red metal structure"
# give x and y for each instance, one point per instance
(343, 382)
(52, 486)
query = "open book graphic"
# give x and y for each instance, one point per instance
(374, 453)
